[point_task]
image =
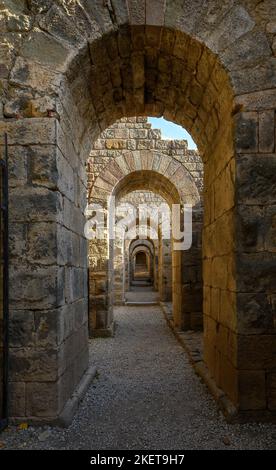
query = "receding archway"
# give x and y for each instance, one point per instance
(106, 63)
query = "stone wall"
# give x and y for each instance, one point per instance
(68, 71)
(134, 139)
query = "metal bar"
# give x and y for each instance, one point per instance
(5, 251)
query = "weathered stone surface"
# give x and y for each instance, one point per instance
(33, 364)
(45, 49)
(256, 352)
(256, 182)
(34, 286)
(28, 73)
(42, 399)
(35, 204)
(247, 132)
(267, 132)
(21, 328)
(26, 131)
(272, 390)
(255, 314)
(17, 399)
(49, 97)
(261, 265)
(252, 390)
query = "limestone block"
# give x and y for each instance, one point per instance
(251, 228)
(270, 229)
(258, 101)
(256, 352)
(34, 285)
(252, 79)
(46, 50)
(18, 165)
(17, 241)
(228, 378)
(228, 309)
(34, 204)
(137, 12)
(252, 390)
(59, 25)
(250, 49)
(43, 169)
(261, 267)
(131, 144)
(117, 144)
(272, 390)
(74, 280)
(21, 328)
(234, 25)
(33, 364)
(29, 131)
(267, 131)
(42, 399)
(72, 217)
(28, 73)
(255, 314)
(247, 132)
(42, 243)
(17, 399)
(256, 179)
(80, 313)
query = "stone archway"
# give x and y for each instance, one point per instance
(120, 177)
(73, 72)
(149, 248)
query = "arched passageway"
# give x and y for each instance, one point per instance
(69, 77)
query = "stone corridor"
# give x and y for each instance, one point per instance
(145, 396)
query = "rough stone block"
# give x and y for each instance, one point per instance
(256, 352)
(35, 286)
(33, 364)
(247, 132)
(46, 50)
(252, 390)
(42, 399)
(42, 243)
(256, 179)
(21, 328)
(267, 131)
(271, 382)
(17, 399)
(255, 314)
(256, 272)
(29, 131)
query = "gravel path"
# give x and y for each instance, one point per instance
(146, 396)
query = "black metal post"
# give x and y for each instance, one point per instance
(5, 261)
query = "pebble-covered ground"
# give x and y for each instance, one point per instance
(146, 396)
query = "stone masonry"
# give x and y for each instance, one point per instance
(68, 72)
(131, 144)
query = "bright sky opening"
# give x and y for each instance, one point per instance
(172, 131)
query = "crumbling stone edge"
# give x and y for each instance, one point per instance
(67, 414)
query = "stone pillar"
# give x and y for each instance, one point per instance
(255, 324)
(192, 285)
(48, 270)
(165, 271)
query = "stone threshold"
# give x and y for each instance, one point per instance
(64, 419)
(140, 304)
(104, 332)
